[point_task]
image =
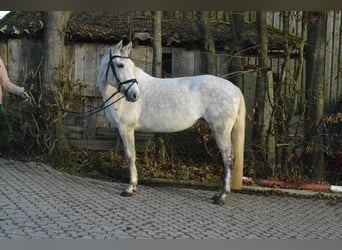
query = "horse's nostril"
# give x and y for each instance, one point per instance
(134, 96)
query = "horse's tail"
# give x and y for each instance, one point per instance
(238, 143)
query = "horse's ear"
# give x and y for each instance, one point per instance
(127, 49)
(117, 48)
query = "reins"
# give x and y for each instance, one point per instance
(104, 105)
(97, 109)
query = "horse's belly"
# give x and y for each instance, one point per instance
(167, 122)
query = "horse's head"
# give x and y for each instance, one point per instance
(121, 68)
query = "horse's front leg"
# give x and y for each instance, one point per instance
(127, 136)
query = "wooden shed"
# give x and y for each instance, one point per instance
(90, 34)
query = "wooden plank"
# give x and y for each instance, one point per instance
(274, 19)
(85, 69)
(336, 73)
(108, 133)
(328, 60)
(296, 23)
(100, 145)
(338, 65)
(89, 123)
(35, 57)
(101, 49)
(270, 18)
(142, 57)
(198, 63)
(26, 59)
(149, 60)
(182, 62)
(14, 48)
(69, 51)
(176, 67)
(3, 51)
(79, 63)
(107, 142)
(141, 136)
(22, 54)
(138, 55)
(22, 57)
(190, 62)
(249, 94)
(292, 23)
(101, 120)
(90, 67)
(222, 66)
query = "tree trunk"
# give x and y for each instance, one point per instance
(157, 72)
(237, 20)
(260, 147)
(314, 92)
(209, 42)
(55, 29)
(54, 65)
(157, 44)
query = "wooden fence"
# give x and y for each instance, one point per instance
(333, 59)
(23, 58)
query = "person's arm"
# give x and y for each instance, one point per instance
(7, 85)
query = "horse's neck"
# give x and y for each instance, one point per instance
(143, 76)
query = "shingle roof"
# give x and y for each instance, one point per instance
(104, 28)
(22, 24)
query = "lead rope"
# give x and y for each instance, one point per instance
(103, 106)
(95, 110)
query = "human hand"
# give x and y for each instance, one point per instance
(26, 97)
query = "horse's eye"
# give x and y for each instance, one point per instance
(120, 65)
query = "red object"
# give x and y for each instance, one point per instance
(315, 187)
(298, 185)
(302, 186)
(277, 183)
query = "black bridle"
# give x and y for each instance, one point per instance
(112, 66)
(105, 104)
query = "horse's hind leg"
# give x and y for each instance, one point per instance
(223, 140)
(127, 136)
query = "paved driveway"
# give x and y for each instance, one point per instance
(37, 202)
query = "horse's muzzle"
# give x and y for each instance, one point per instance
(130, 91)
(132, 97)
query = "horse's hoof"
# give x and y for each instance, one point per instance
(126, 194)
(215, 197)
(219, 200)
